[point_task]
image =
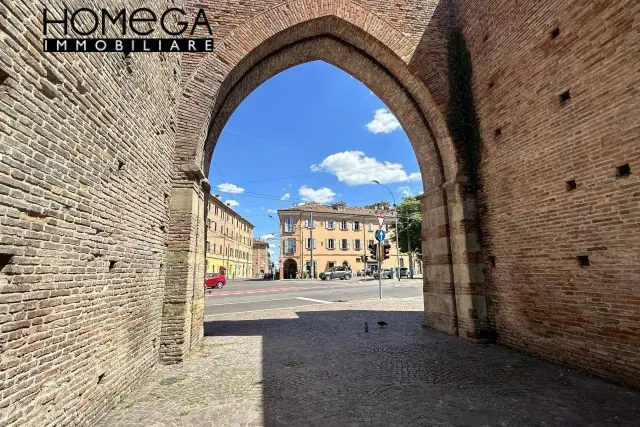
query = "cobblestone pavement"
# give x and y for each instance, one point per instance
(316, 366)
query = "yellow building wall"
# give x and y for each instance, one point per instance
(228, 234)
(324, 256)
(214, 264)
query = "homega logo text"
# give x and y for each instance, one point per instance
(166, 30)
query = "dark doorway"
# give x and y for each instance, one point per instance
(290, 269)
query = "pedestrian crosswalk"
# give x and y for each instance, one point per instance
(215, 292)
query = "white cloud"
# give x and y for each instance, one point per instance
(232, 203)
(321, 195)
(230, 188)
(272, 211)
(406, 191)
(383, 122)
(286, 196)
(267, 236)
(355, 168)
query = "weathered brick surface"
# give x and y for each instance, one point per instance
(86, 150)
(541, 299)
(102, 182)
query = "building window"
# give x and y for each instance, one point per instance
(401, 262)
(307, 243)
(289, 246)
(371, 242)
(208, 247)
(309, 223)
(344, 225)
(330, 224)
(356, 226)
(370, 227)
(344, 244)
(331, 243)
(357, 244)
(208, 224)
(213, 249)
(289, 225)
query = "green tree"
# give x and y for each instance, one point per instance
(410, 225)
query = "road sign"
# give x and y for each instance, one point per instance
(380, 235)
(380, 221)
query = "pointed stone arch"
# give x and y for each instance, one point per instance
(364, 45)
(286, 24)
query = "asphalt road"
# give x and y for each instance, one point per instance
(251, 295)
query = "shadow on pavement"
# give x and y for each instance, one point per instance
(323, 369)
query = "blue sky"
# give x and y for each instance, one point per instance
(311, 133)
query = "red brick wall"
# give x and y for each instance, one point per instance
(86, 151)
(541, 299)
(90, 209)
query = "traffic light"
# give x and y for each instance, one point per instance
(372, 250)
(387, 249)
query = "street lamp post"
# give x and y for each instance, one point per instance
(410, 219)
(272, 264)
(301, 243)
(397, 231)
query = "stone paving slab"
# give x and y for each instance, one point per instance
(316, 366)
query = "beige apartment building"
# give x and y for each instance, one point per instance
(337, 235)
(261, 260)
(229, 241)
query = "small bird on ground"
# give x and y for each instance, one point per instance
(366, 327)
(382, 323)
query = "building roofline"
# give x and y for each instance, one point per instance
(225, 206)
(330, 210)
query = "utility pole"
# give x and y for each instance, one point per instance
(379, 270)
(301, 242)
(364, 251)
(397, 241)
(311, 243)
(409, 251)
(396, 214)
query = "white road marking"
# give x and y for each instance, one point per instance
(249, 302)
(213, 316)
(314, 300)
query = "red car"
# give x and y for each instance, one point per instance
(215, 280)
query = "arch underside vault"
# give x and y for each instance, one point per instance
(453, 302)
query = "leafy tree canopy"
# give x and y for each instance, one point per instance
(410, 225)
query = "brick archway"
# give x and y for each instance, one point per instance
(364, 45)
